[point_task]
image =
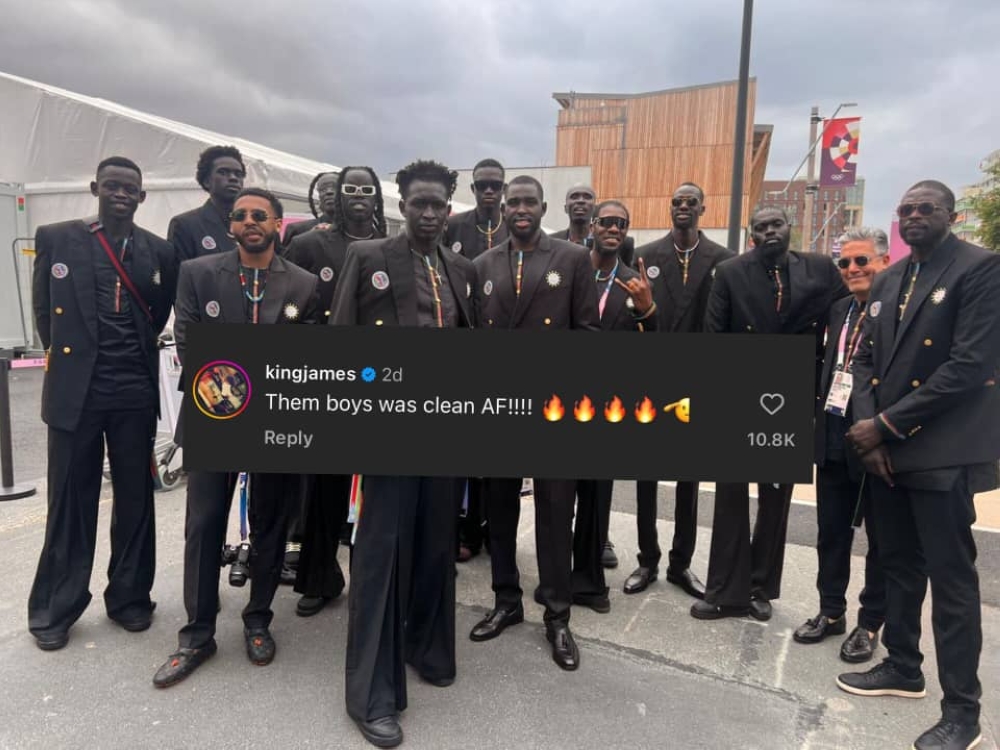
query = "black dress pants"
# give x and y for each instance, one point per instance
(837, 498)
(739, 567)
(927, 534)
(471, 524)
(209, 497)
(319, 572)
(553, 542)
(401, 603)
(590, 532)
(685, 525)
(61, 590)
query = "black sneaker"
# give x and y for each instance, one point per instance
(949, 735)
(882, 679)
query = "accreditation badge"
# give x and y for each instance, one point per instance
(840, 393)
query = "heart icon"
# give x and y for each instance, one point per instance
(772, 403)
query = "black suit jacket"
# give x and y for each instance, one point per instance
(299, 228)
(463, 237)
(200, 231)
(65, 307)
(557, 288)
(619, 315)
(358, 301)
(322, 253)
(742, 298)
(681, 307)
(933, 375)
(835, 325)
(290, 296)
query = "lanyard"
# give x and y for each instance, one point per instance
(607, 288)
(845, 349)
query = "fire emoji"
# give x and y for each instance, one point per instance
(584, 410)
(554, 409)
(615, 410)
(645, 412)
(681, 409)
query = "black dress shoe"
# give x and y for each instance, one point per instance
(564, 650)
(180, 665)
(687, 581)
(495, 622)
(310, 605)
(288, 576)
(136, 623)
(260, 646)
(702, 610)
(859, 646)
(818, 628)
(382, 732)
(608, 557)
(640, 579)
(760, 609)
(437, 681)
(52, 641)
(600, 604)
(950, 735)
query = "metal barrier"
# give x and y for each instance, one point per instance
(9, 490)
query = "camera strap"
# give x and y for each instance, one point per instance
(244, 485)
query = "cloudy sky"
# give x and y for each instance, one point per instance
(384, 81)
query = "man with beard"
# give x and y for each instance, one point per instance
(402, 597)
(680, 267)
(102, 290)
(205, 230)
(768, 290)
(928, 432)
(842, 494)
(625, 303)
(324, 185)
(580, 200)
(471, 233)
(358, 214)
(512, 275)
(250, 284)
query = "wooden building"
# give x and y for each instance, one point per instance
(640, 147)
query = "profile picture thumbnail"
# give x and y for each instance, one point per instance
(221, 390)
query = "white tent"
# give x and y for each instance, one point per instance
(51, 141)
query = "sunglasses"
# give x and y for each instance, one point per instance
(257, 214)
(924, 209)
(355, 189)
(612, 221)
(481, 186)
(860, 261)
(685, 200)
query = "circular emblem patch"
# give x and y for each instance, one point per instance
(553, 279)
(938, 295)
(380, 280)
(653, 271)
(60, 270)
(875, 309)
(291, 311)
(457, 247)
(488, 288)
(326, 273)
(156, 277)
(212, 309)
(208, 242)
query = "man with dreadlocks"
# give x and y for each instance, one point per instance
(325, 186)
(402, 597)
(358, 214)
(205, 230)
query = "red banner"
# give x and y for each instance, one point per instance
(839, 152)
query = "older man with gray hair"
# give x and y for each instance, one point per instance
(841, 496)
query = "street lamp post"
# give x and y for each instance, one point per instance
(740, 137)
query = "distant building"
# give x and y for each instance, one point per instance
(640, 147)
(967, 224)
(834, 210)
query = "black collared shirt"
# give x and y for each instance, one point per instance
(426, 301)
(121, 379)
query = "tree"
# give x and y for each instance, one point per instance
(986, 206)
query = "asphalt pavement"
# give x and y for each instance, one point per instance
(651, 676)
